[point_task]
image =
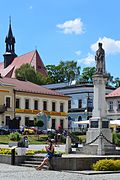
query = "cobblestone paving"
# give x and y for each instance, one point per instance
(9, 172)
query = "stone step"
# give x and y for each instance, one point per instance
(32, 162)
(35, 158)
(34, 166)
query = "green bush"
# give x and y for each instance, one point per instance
(15, 136)
(5, 151)
(116, 138)
(32, 152)
(51, 135)
(106, 165)
(74, 138)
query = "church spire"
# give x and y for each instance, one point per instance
(10, 34)
(10, 40)
(10, 47)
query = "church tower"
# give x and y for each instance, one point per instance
(10, 47)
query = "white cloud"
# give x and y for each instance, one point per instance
(88, 61)
(72, 26)
(78, 53)
(111, 46)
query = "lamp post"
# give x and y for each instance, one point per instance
(89, 107)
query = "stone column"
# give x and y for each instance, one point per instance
(99, 123)
(68, 148)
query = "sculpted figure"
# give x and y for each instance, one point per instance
(100, 60)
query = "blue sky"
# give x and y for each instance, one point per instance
(64, 30)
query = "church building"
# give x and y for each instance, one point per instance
(13, 62)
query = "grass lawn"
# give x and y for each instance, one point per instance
(4, 139)
(33, 139)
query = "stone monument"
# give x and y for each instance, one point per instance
(99, 136)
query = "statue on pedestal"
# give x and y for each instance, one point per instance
(100, 60)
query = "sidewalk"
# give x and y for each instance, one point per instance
(9, 172)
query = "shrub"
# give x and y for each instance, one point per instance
(106, 165)
(30, 152)
(5, 151)
(116, 138)
(15, 136)
(74, 138)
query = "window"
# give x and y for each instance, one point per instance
(45, 105)
(79, 119)
(61, 107)
(69, 104)
(17, 103)
(89, 104)
(118, 106)
(26, 121)
(53, 124)
(7, 120)
(26, 103)
(8, 102)
(61, 123)
(36, 105)
(80, 103)
(53, 106)
(111, 106)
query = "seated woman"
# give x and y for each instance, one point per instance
(50, 154)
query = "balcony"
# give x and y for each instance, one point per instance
(3, 108)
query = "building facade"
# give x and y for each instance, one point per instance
(27, 100)
(6, 103)
(80, 104)
(113, 105)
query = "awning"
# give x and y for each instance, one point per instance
(82, 122)
(112, 122)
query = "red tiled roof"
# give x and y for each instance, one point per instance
(32, 58)
(27, 86)
(115, 93)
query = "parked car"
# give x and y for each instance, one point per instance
(47, 131)
(28, 130)
(36, 130)
(4, 130)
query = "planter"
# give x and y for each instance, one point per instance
(21, 151)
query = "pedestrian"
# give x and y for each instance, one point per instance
(56, 139)
(50, 154)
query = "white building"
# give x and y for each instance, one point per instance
(80, 105)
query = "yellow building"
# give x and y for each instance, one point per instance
(27, 100)
(6, 103)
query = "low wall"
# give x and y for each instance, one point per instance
(76, 163)
(7, 159)
(62, 163)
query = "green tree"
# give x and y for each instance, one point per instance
(110, 80)
(65, 71)
(27, 72)
(87, 74)
(116, 82)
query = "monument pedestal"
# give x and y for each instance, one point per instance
(99, 136)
